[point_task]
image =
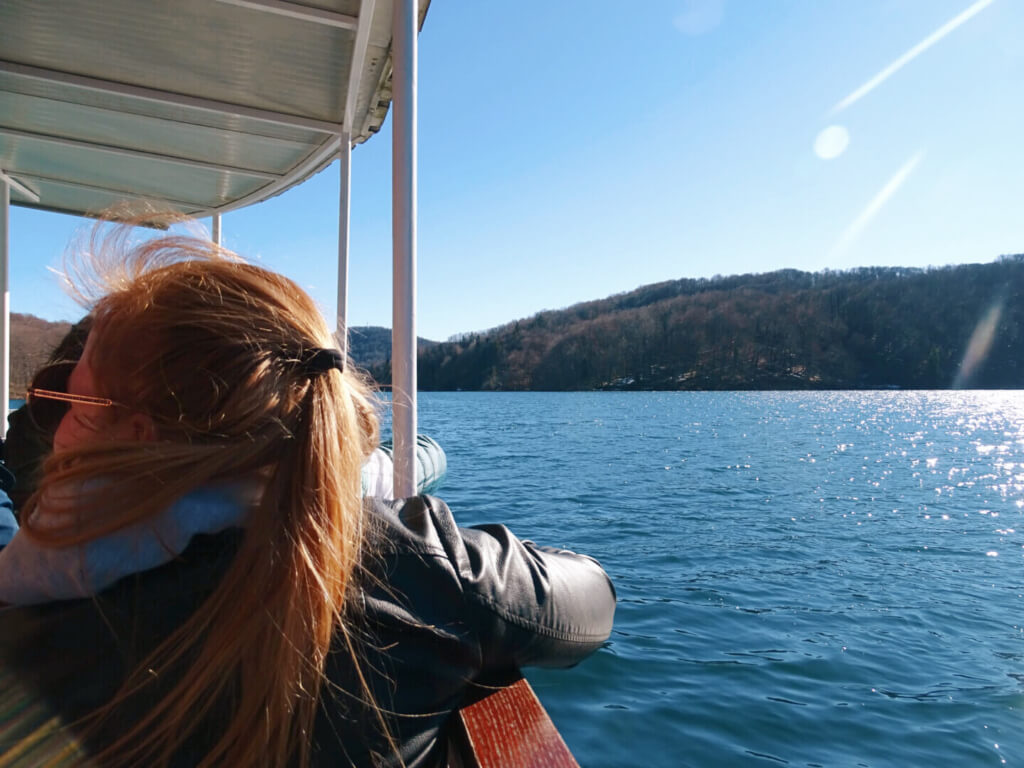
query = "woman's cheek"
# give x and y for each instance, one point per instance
(60, 437)
(74, 431)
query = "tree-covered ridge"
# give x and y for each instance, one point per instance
(370, 345)
(863, 328)
(32, 341)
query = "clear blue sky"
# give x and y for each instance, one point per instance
(574, 149)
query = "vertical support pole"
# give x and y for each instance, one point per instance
(344, 220)
(215, 234)
(403, 235)
(5, 309)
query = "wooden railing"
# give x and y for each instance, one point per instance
(508, 728)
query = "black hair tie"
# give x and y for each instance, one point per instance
(321, 360)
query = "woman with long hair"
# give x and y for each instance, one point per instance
(198, 580)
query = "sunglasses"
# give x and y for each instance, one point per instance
(48, 403)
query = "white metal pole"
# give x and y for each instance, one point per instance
(403, 234)
(344, 218)
(5, 310)
(216, 233)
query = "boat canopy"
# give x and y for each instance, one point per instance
(205, 106)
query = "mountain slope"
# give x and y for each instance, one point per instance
(866, 328)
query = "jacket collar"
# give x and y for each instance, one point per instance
(32, 574)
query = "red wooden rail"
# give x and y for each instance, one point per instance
(508, 729)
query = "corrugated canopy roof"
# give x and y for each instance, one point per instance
(206, 105)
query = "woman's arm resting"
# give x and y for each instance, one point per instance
(536, 606)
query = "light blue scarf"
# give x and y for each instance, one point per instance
(31, 574)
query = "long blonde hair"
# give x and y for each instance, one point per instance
(211, 349)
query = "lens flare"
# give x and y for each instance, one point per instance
(852, 233)
(980, 343)
(911, 54)
(831, 142)
(698, 17)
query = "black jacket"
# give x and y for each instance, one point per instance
(440, 611)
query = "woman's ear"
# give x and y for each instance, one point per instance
(142, 428)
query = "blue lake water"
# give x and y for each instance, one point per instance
(811, 579)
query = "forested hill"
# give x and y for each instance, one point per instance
(32, 340)
(370, 345)
(864, 328)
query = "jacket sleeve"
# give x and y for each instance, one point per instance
(529, 605)
(537, 606)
